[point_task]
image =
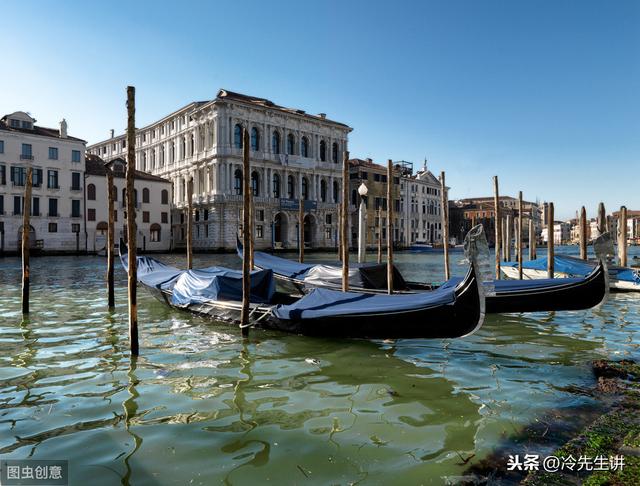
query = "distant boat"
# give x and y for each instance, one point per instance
(620, 278)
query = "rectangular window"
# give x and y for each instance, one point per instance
(327, 219)
(17, 205)
(91, 214)
(145, 216)
(3, 175)
(115, 215)
(53, 208)
(53, 227)
(396, 180)
(364, 175)
(260, 215)
(1, 146)
(35, 207)
(164, 218)
(52, 179)
(18, 175)
(27, 152)
(75, 208)
(327, 234)
(1, 204)
(75, 181)
(155, 235)
(36, 179)
(53, 153)
(259, 231)
(75, 156)
(75, 227)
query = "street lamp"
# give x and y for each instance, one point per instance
(362, 229)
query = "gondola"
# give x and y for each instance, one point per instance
(501, 295)
(216, 292)
(620, 278)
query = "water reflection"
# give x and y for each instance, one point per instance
(201, 404)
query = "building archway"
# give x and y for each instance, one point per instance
(280, 226)
(32, 237)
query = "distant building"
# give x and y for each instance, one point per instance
(561, 233)
(374, 176)
(57, 209)
(152, 201)
(633, 225)
(294, 155)
(421, 207)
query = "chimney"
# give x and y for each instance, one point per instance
(369, 161)
(322, 115)
(63, 128)
(112, 132)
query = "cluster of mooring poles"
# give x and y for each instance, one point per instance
(503, 227)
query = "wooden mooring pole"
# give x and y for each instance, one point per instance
(389, 226)
(497, 223)
(110, 242)
(583, 233)
(246, 234)
(622, 240)
(339, 230)
(131, 221)
(190, 223)
(379, 226)
(26, 226)
(301, 231)
(344, 223)
(603, 227)
(532, 240)
(519, 236)
(252, 224)
(444, 202)
(550, 242)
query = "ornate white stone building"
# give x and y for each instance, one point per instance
(421, 206)
(293, 155)
(57, 160)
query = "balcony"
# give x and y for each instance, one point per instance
(26, 157)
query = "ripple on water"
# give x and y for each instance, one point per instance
(202, 404)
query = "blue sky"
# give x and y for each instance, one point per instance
(544, 94)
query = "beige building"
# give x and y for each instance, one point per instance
(152, 201)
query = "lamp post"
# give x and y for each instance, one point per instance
(362, 225)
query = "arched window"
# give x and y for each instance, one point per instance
(255, 183)
(276, 186)
(237, 136)
(305, 188)
(275, 142)
(124, 196)
(144, 161)
(291, 144)
(155, 232)
(145, 195)
(255, 139)
(165, 196)
(135, 197)
(172, 153)
(91, 192)
(336, 191)
(334, 153)
(354, 197)
(183, 153)
(237, 182)
(115, 193)
(323, 190)
(192, 145)
(323, 151)
(153, 159)
(291, 187)
(304, 147)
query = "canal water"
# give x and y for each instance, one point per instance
(202, 406)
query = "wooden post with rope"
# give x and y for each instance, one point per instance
(301, 230)
(131, 221)
(26, 226)
(583, 233)
(190, 223)
(379, 226)
(519, 236)
(532, 240)
(622, 241)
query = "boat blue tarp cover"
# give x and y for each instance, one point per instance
(323, 303)
(519, 285)
(281, 266)
(562, 264)
(197, 286)
(218, 283)
(628, 275)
